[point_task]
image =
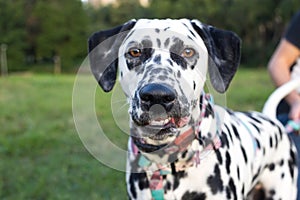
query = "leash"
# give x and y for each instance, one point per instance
(293, 127)
(156, 171)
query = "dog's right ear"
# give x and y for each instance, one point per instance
(103, 47)
(224, 53)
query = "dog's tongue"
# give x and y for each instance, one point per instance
(173, 120)
(181, 122)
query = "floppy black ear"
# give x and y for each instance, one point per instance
(103, 49)
(224, 54)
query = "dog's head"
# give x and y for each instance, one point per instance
(162, 68)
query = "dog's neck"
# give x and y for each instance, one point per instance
(191, 146)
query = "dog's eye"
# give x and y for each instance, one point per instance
(135, 52)
(188, 52)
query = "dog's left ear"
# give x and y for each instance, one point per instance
(103, 49)
(224, 53)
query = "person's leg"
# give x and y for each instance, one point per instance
(283, 118)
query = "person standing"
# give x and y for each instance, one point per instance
(283, 66)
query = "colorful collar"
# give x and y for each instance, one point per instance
(156, 171)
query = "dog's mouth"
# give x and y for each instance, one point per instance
(160, 129)
(160, 122)
(157, 128)
(158, 133)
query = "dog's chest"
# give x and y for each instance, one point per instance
(208, 179)
(226, 171)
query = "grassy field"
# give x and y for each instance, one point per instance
(41, 154)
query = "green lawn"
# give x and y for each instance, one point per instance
(41, 154)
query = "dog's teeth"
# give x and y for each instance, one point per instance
(166, 121)
(153, 123)
(159, 122)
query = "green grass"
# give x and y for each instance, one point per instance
(249, 89)
(41, 154)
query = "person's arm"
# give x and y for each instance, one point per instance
(285, 55)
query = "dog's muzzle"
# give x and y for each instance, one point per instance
(160, 115)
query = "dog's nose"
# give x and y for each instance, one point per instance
(152, 94)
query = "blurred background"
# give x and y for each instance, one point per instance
(43, 43)
(37, 34)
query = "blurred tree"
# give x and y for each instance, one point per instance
(56, 29)
(12, 31)
(116, 14)
(99, 18)
(126, 10)
(39, 30)
(258, 23)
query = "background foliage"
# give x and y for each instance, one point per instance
(37, 31)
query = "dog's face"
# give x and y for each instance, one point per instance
(162, 70)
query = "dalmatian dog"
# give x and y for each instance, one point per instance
(182, 145)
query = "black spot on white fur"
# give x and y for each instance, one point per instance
(177, 177)
(157, 59)
(167, 42)
(194, 196)
(215, 182)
